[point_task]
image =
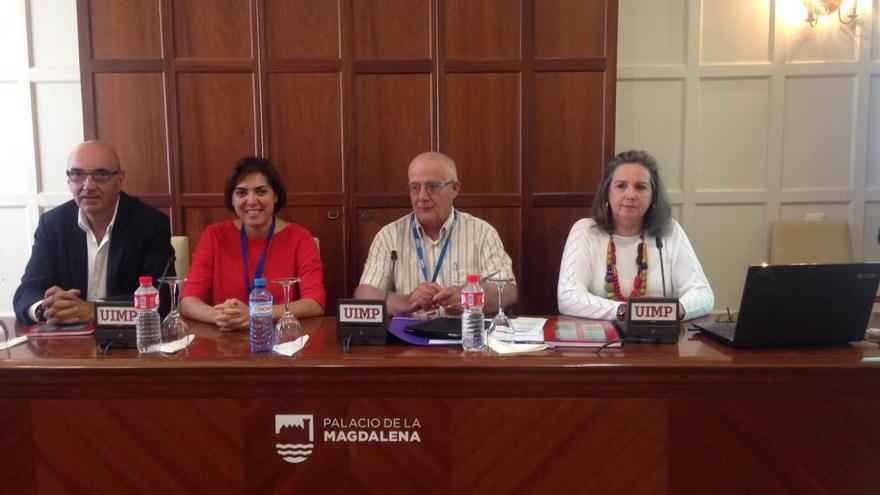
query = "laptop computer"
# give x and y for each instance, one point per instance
(804, 304)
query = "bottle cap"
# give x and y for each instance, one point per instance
(145, 280)
(473, 278)
(259, 282)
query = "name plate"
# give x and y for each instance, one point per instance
(361, 321)
(115, 323)
(115, 314)
(653, 319)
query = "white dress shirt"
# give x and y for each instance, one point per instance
(98, 252)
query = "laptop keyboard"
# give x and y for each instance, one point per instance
(725, 329)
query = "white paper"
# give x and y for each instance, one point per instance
(177, 345)
(528, 329)
(13, 342)
(502, 347)
(292, 347)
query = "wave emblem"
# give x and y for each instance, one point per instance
(295, 436)
(294, 453)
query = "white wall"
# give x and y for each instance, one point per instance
(40, 120)
(754, 117)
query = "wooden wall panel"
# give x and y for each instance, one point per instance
(567, 130)
(392, 29)
(392, 126)
(569, 28)
(480, 121)
(16, 443)
(137, 463)
(310, 477)
(342, 94)
(302, 29)
(488, 29)
(125, 29)
(212, 29)
(304, 132)
(633, 458)
(756, 439)
(130, 113)
(546, 231)
(213, 136)
(195, 219)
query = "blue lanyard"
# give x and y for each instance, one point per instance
(421, 254)
(244, 256)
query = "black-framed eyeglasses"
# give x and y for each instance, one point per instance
(430, 187)
(100, 176)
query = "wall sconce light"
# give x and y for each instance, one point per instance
(815, 8)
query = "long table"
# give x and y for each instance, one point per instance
(695, 417)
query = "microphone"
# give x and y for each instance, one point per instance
(662, 271)
(165, 304)
(392, 275)
(168, 264)
(362, 321)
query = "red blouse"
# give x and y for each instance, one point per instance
(216, 273)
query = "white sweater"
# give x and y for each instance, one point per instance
(581, 289)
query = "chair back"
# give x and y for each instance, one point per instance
(180, 243)
(809, 242)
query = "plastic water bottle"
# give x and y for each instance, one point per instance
(148, 324)
(473, 330)
(261, 333)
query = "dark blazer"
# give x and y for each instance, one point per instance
(140, 244)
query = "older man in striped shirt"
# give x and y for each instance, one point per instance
(435, 247)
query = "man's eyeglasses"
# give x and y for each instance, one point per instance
(430, 187)
(100, 176)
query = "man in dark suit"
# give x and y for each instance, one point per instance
(95, 246)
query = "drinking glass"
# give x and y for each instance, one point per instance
(288, 328)
(455, 275)
(173, 326)
(501, 328)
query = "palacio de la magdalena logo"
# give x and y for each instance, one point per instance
(295, 433)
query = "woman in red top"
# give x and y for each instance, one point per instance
(219, 281)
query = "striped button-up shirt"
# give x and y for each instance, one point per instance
(474, 247)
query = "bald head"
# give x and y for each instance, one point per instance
(93, 153)
(434, 159)
(95, 177)
(437, 188)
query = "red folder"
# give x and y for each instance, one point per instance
(580, 333)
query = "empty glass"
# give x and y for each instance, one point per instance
(501, 328)
(456, 275)
(288, 328)
(173, 326)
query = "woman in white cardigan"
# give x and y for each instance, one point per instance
(616, 254)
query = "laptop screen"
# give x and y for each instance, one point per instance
(806, 303)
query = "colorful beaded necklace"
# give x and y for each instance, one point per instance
(612, 283)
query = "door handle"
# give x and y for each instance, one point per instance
(333, 214)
